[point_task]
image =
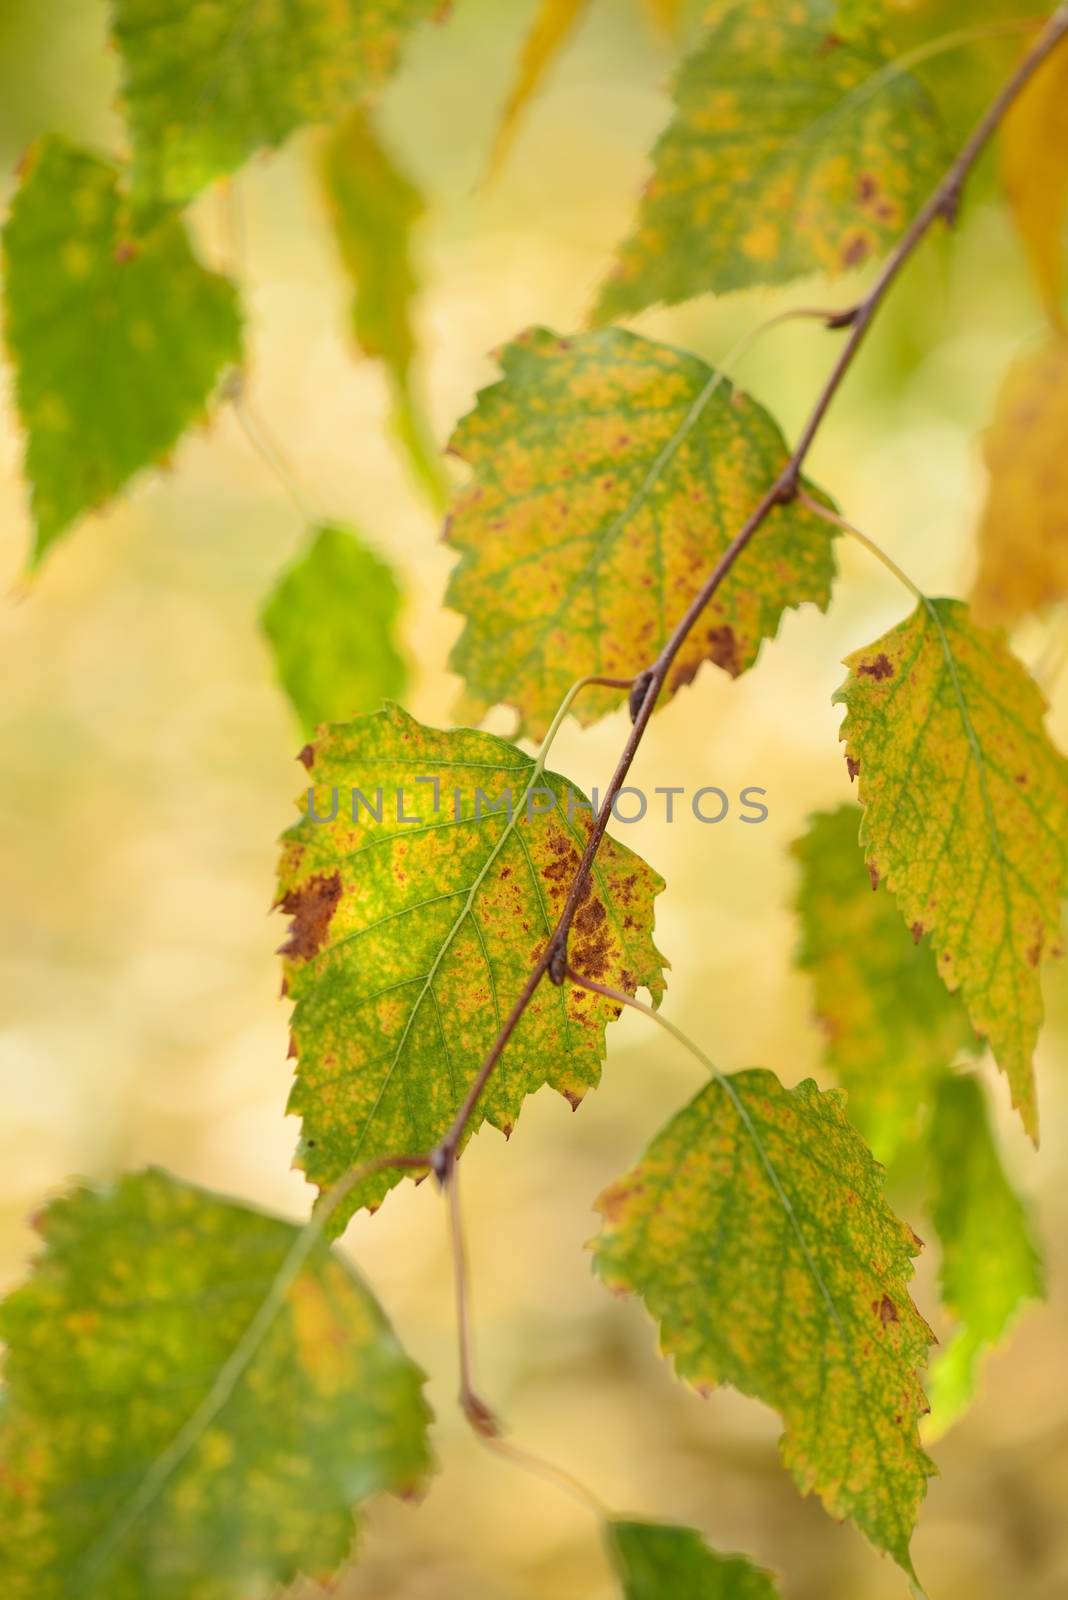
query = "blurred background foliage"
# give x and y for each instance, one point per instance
(148, 769)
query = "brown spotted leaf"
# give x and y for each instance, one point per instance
(163, 1436)
(1023, 537)
(418, 913)
(965, 815)
(609, 475)
(754, 1229)
(793, 150)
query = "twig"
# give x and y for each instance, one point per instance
(647, 686)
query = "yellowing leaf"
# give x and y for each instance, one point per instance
(754, 1229)
(1034, 172)
(374, 209)
(792, 151)
(1023, 537)
(417, 916)
(965, 815)
(610, 473)
(142, 1294)
(117, 343)
(665, 13)
(206, 84)
(892, 1027)
(990, 1266)
(658, 1562)
(553, 24)
(331, 620)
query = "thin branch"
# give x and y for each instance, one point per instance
(647, 686)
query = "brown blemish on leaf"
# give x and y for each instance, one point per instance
(573, 1100)
(852, 767)
(307, 755)
(882, 667)
(1034, 954)
(867, 188)
(856, 251)
(723, 649)
(885, 1310)
(917, 931)
(873, 874)
(312, 907)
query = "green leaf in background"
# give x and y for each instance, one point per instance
(990, 1265)
(206, 84)
(417, 915)
(754, 1229)
(891, 1026)
(655, 1561)
(965, 815)
(117, 342)
(374, 209)
(332, 622)
(609, 474)
(141, 1294)
(792, 151)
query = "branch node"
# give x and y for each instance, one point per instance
(843, 319)
(441, 1160)
(557, 968)
(787, 489)
(638, 691)
(949, 207)
(479, 1415)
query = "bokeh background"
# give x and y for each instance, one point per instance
(147, 769)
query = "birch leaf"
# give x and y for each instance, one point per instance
(754, 1229)
(892, 1028)
(792, 151)
(1034, 173)
(655, 1561)
(416, 924)
(990, 1266)
(1023, 536)
(609, 474)
(375, 208)
(553, 25)
(331, 620)
(965, 815)
(141, 1295)
(205, 85)
(117, 343)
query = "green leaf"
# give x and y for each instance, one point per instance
(990, 1265)
(965, 815)
(792, 151)
(374, 209)
(657, 1562)
(142, 1293)
(755, 1230)
(609, 475)
(207, 84)
(332, 621)
(892, 1028)
(414, 931)
(117, 342)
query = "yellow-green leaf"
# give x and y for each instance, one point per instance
(117, 342)
(1023, 536)
(331, 620)
(793, 150)
(553, 25)
(375, 208)
(892, 1028)
(417, 916)
(965, 815)
(1034, 172)
(655, 1561)
(754, 1229)
(141, 1295)
(990, 1265)
(206, 84)
(665, 13)
(609, 475)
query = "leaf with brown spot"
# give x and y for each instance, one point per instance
(609, 475)
(791, 152)
(416, 926)
(755, 1230)
(1023, 536)
(977, 858)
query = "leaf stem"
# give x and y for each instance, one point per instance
(829, 515)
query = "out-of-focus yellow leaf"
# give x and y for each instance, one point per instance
(1034, 171)
(374, 208)
(965, 815)
(609, 475)
(755, 1230)
(555, 21)
(665, 13)
(1023, 537)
